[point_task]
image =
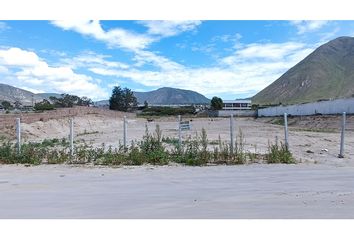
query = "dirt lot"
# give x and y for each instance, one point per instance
(320, 186)
(311, 139)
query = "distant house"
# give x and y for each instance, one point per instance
(237, 105)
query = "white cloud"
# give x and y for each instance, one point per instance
(304, 26)
(116, 37)
(29, 71)
(91, 59)
(169, 28)
(247, 71)
(146, 57)
(3, 69)
(137, 43)
(267, 51)
(3, 26)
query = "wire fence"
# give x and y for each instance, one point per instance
(176, 130)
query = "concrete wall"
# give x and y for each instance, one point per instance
(337, 106)
(8, 120)
(236, 113)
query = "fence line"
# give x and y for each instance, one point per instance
(337, 106)
(341, 152)
(286, 130)
(18, 135)
(71, 136)
(125, 132)
(231, 134)
(231, 131)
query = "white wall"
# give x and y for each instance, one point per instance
(236, 113)
(337, 106)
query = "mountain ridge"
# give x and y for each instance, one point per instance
(326, 73)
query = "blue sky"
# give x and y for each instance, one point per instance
(230, 59)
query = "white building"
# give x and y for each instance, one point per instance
(237, 105)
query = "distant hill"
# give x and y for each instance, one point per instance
(13, 94)
(326, 73)
(48, 95)
(169, 96)
(166, 96)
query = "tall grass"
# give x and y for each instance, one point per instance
(279, 154)
(152, 149)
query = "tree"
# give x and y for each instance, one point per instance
(7, 105)
(122, 99)
(146, 105)
(67, 100)
(18, 104)
(44, 105)
(216, 103)
(85, 101)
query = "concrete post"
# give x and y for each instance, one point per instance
(341, 152)
(231, 134)
(71, 137)
(286, 130)
(125, 131)
(18, 135)
(179, 132)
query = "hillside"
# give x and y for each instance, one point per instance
(12, 94)
(168, 95)
(48, 95)
(326, 73)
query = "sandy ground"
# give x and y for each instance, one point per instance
(320, 186)
(249, 191)
(317, 146)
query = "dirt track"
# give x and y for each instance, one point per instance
(248, 191)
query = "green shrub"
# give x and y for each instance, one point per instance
(167, 111)
(279, 154)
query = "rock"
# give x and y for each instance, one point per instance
(309, 151)
(324, 150)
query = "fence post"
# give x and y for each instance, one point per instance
(232, 134)
(71, 137)
(179, 132)
(18, 135)
(286, 131)
(125, 132)
(341, 151)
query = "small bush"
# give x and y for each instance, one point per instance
(279, 154)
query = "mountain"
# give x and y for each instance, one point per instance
(48, 95)
(13, 94)
(170, 96)
(166, 96)
(326, 73)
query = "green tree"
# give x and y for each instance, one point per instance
(85, 101)
(7, 105)
(146, 105)
(67, 100)
(216, 103)
(44, 105)
(18, 104)
(122, 99)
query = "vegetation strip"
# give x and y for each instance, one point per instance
(152, 149)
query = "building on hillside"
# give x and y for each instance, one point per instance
(237, 105)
